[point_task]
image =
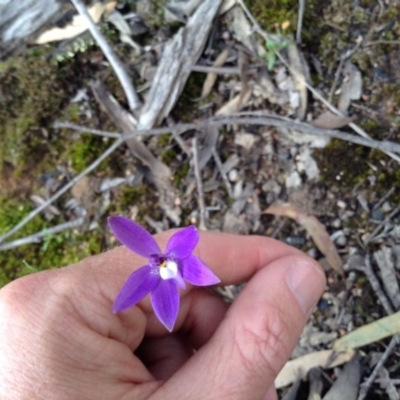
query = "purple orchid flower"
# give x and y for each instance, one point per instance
(164, 271)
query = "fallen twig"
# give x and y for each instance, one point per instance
(376, 286)
(364, 387)
(384, 198)
(37, 237)
(199, 184)
(222, 172)
(116, 64)
(381, 225)
(221, 70)
(375, 42)
(247, 118)
(300, 16)
(58, 194)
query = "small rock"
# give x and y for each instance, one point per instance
(271, 185)
(233, 175)
(293, 180)
(246, 140)
(341, 204)
(372, 180)
(377, 215)
(306, 163)
(268, 149)
(337, 223)
(312, 252)
(335, 235)
(346, 215)
(386, 207)
(341, 241)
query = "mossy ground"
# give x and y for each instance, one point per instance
(34, 92)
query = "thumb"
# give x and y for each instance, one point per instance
(256, 337)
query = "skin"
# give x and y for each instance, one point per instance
(60, 340)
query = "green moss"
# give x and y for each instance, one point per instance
(155, 17)
(142, 196)
(30, 95)
(54, 251)
(185, 109)
(83, 150)
(274, 12)
(180, 175)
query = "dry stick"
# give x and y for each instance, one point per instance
(336, 78)
(300, 16)
(364, 388)
(372, 43)
(259, 119)
(116, 64)
(381, 225)
(373, 280)
(37, 237)
(376, 286)
(384, 198)
(199, 184)
(221, 70)
(71, 183)
(331, 107)
(383, 380)
(82, 129)
(221, 171)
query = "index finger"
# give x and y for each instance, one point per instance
(235, 259)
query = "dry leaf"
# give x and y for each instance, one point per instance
(77, 26)
(212, 76)
(328, 120)
(234, 105)
(299, 71)
(373, 332)
(352, 88)
(299, 367)
(316, 230)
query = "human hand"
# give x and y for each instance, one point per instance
(59, 339)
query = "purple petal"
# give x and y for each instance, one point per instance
(197, 273)
(133, 236)
(165, 301)
(137, 286)
(182, 243)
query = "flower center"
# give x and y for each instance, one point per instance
(168, 269)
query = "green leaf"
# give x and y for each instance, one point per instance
(373, 332)
(30, 267)
(270, 45)
(271, 61)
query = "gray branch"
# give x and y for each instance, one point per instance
(116, 64)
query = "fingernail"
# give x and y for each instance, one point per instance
(307, 282)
